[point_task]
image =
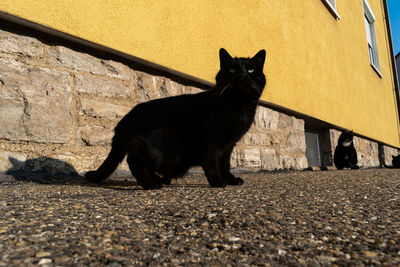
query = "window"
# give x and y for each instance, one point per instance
(313, 152)
(331, 5)
(369, 20)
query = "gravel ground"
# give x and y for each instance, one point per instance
(349, 217)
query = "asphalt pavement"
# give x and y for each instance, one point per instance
(310, 218)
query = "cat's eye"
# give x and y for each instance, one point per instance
(232, 70)
(250, 70)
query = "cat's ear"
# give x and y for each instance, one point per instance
(224, 58)
(259, 58)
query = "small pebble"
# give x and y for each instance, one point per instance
(44, 261)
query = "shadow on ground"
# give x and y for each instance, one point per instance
(43, 170)
(47, 170)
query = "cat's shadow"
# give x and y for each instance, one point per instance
(43, 170)
(134, 186)
(47, 170)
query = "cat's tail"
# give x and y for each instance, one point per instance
(112, 161)
(389, 167)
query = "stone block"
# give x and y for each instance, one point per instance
(94, 85)
(191, 90)
(388, 154)
(96, 135)
(302, 162)
(367, 152)
(334, 135)
(295, 142)
(162, 87)
(145, 80)
(118, 69)
(367, 161)
(261, 139)
(175, 88)
(101, 109)
(79, 61)
(38, 101)
(233, 160)
(10, 161)
(266, 119)
(12, 115)
(285, 120)
(20, 44)
(287, 162)
(146, 85)
(293, 162)
(298, 124)
(249, 158)
(269, 159)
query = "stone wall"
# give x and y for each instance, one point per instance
(275, 141)
(59, 105)
(63, 104)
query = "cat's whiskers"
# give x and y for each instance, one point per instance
(224, 88)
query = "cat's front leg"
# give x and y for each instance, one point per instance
(225, 168)
(353, 160)
(212, 170)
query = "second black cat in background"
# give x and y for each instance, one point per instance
(345, 153)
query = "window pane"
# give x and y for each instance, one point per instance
(332, 2)
(312, 148)
(371, 54)
(368, 30)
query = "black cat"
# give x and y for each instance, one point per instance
(395, 163)
(345, 154)
(168, 136)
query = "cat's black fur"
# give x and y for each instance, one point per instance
(395, 163)
(165, 137)
(345, 154)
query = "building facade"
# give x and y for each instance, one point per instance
(70, 71)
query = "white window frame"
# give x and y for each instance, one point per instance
(369, 21)
(331, 5)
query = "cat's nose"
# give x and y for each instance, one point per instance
(242, 75)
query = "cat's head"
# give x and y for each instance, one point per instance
(346, 138)
(396, 161)
(243, 76)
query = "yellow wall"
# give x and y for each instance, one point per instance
(315, 65)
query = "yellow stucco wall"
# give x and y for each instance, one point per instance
(315, 65)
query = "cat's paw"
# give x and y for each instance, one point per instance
(236, 181)
(166, 181)
(218, 184)
(163, 180)
(151, 186)
(93, 176)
